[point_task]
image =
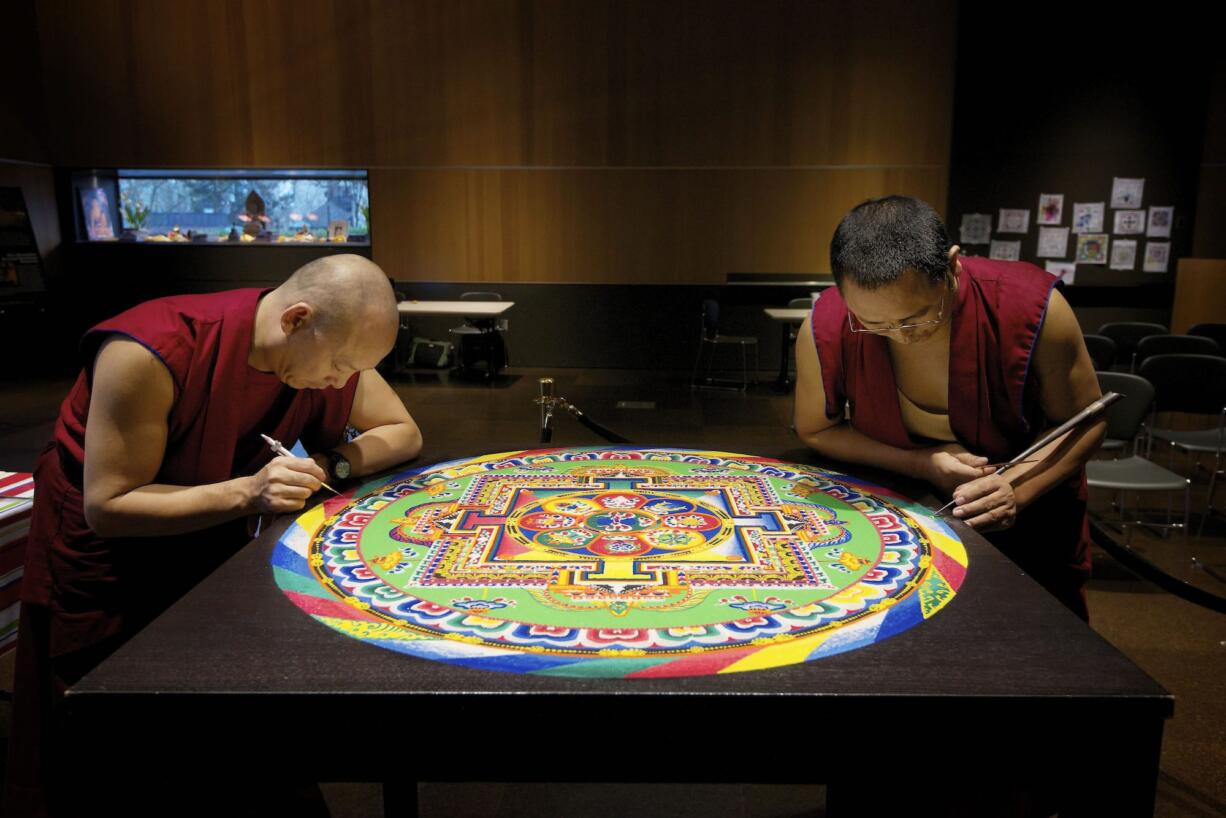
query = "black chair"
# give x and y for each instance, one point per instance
(711, 337)
(798, 304)
(1194, 384)
(400, 356)
(1102, 351)
(1134, 473)
(1126, 335)
(479, 339)
(1215, 331)
(1152, 345)
(1126, 418)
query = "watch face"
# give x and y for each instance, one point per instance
(340, 467)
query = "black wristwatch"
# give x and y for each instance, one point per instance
(339, 465)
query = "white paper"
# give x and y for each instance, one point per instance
(976, 228)
(1051, 208)
(1124, 254)
(1160, 220)
(1157, 256)
(1066, 271)
(1129, 222)
(1088, 217)
(1053, 242)
(1006, 250)
(1126, 192)
(1013, 221)
(1092, 248)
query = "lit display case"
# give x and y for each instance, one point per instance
(224, 206)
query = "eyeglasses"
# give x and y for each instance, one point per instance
(856, 326)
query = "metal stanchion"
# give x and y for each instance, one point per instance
(550, 403)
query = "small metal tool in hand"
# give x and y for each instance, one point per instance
(276, 446)
(1093, 410)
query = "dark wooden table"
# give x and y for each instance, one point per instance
(1003, 688)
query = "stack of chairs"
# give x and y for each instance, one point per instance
(1215, 331)
(1153, 345)
(1183, 374)
(1133, 472)
(1195, 385)
(1103, 351)
(1134, 341)
(1126, 335)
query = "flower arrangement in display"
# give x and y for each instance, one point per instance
(135, 213)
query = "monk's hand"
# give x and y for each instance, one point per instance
(950, 466)
(286, 483)
(986, 503)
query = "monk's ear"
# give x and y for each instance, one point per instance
(955, 260)
(296, 316)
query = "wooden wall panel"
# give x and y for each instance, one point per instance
(190, 83)
(434, 82)
(309, 77)
(624, 227)
(602, 140)
(217, 84)
(1200, 293)
(446, 80)
(22, 126)
(89, 100)
(675, 84)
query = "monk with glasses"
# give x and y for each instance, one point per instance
(938, 366)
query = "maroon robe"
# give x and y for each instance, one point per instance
(82, 595)
(993, 404)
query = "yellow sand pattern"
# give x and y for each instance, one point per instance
(790, 652)
(372, 630)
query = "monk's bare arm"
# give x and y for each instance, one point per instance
(125, 441)
(1067, 384)
(389, 435)
(945, 466)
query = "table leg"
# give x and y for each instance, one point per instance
(1119, 774)
(400, 799)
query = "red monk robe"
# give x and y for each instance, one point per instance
(993, 405)
(82, 595)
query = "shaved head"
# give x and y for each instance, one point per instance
(350, 295)
(331, 319)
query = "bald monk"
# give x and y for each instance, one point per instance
(157, 460)
(945, 365)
